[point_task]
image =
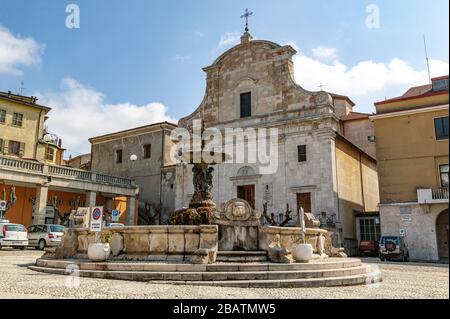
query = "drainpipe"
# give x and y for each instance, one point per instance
(37, 134)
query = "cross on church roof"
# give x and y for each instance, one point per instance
(245, 16)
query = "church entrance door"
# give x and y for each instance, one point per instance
(247, 192)
(304, 200)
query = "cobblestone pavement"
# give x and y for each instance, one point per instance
(400, 280)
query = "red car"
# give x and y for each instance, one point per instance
(368, 248)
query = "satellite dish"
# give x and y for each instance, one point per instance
(48, 138)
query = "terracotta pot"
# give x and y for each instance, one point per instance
(303, 252)
(99, 252)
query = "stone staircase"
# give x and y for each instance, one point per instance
(319, 273)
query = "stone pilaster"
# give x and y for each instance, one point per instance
(40, 205)
(130, 212)
(91, 198)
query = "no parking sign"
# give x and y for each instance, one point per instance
(96, 219)
(2, 205)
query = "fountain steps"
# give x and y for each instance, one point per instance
(241, 256)
(333, 272)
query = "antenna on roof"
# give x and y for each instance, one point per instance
(22, 87)
(426, 57)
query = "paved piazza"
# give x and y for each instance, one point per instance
(400, 280)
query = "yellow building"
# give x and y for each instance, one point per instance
(22, 130)
(412, 151)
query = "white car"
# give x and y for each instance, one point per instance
(116, 225)
(41, 236)
(13, 235)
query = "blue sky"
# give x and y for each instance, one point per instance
(134, 62)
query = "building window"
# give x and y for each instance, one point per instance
(246, 104)
(301, 153)
(443, 171)
(441, 128)
(49, 153)
(118, 156)
(2, 116)
(369, 229)
(14, 147)
(147, 151)
(17, 119)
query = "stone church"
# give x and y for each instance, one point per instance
(326, 157)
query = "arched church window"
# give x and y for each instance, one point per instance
(246, 171)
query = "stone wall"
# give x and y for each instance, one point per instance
(158, 243)
(419, 224)
(290, 236)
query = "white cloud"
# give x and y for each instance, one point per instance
(228, 39)
(365, 82)
(17, 51)
(324, 54)
(80, 112)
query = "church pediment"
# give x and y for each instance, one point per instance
(251, 79)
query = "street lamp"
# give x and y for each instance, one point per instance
(133, 158)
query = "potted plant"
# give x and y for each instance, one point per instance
(302, 251)
(100, 250)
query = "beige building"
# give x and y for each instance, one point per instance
(412, 149)
(22, 130)
(82, 161)
(30, 168)
(151, 166)
(329, 171)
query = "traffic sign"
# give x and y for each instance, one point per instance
(2, 205)
(115, 215)
(96, 219)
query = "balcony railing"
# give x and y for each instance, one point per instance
(432, 195)
(62, 171)
(21, 164)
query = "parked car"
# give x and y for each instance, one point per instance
(13, 235)
(368, 248)
(116, 225)
(393, 247)
(41, 236)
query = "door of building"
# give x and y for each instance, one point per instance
(442, 234)
(304, 200)
(247, 192)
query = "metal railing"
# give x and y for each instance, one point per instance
(62, 171)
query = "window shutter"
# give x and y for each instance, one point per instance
(5, 146)
(22, 149)
(1, 145)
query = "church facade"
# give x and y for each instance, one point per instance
(320, 168)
